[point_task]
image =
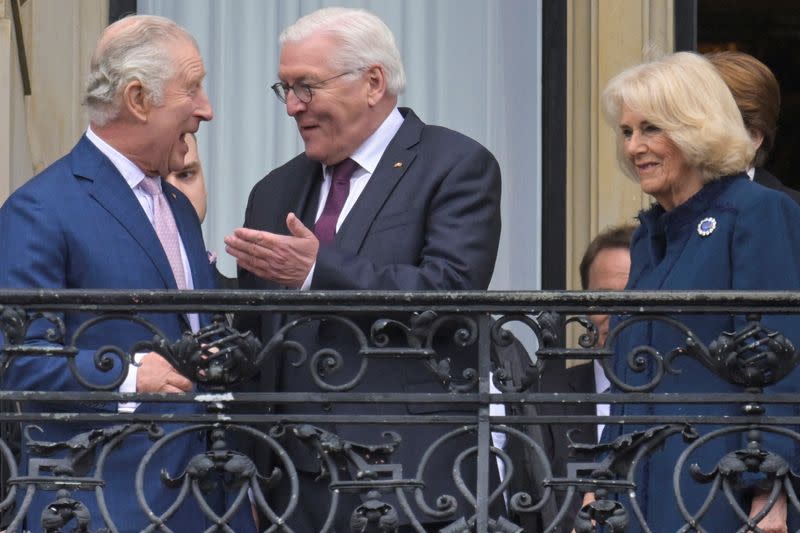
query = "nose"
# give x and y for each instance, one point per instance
(636, 144)
(203, 110)
(293, 104)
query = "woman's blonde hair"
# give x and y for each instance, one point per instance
(684, 96)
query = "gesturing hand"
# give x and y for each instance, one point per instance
(284, 259)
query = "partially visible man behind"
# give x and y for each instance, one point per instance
(191, 181)
(102, 218)
(605, 266)
(190, 178)
(758, 96)
(378, 201)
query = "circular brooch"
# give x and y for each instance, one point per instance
(707, 226)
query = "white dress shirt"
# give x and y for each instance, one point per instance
(602, 384)
(498, 438)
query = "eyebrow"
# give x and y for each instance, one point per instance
(642, 123)
(307, 79)
(195, 78)
(194, 165)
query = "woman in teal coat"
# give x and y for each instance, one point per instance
(681, 137)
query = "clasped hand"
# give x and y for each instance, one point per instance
(155, 374)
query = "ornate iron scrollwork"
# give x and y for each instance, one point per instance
(218, 358)
(753, 356)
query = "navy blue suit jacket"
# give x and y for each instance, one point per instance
(78, 224)
(429, 219)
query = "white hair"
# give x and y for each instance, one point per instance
(364, 41)
(684, 96)
(135, 51)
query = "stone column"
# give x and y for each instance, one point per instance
(603, 38)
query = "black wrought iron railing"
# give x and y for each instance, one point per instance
(382, 405)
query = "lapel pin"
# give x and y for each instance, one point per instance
(399, 164)
(174, 196)
(706, 226)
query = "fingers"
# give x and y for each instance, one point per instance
(247, 242)
(171, 389)
(256, 261)
(155, 374)
(253, 250)
(178, 381)
(297, 228)
(254, 237)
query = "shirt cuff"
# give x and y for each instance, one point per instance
(129, 385)
(307, 283)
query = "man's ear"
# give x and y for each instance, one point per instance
(377, 84)
(134, 99)
(757, 137)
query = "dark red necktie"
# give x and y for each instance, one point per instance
(325, 227)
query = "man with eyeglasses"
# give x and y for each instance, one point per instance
(418, 208)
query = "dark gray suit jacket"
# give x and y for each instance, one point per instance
(767, 179)
(429, 219)
(552, 438)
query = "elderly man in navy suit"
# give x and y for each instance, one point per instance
(102, 218)
(416, 208)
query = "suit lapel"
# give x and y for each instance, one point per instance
(394, 164)
(110, 190)
(305, 198)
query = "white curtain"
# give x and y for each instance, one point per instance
(472, 65)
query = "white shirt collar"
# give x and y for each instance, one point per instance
(132, 174)
(369, 154)
(752, 173)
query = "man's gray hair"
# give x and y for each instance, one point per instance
(364, 41)
(135, 51)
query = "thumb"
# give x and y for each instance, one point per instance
(297, 228)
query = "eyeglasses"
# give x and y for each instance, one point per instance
(303, 91)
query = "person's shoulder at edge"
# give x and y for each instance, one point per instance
(51, 177)
(767, 179)
(747, 196)
(432, 134)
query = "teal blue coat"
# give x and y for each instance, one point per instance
(755, 245)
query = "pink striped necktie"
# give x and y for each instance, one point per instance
(165, 227)
(325, 227)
